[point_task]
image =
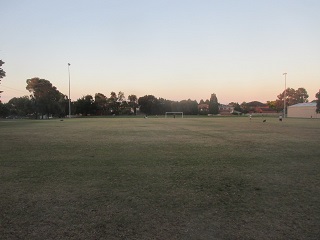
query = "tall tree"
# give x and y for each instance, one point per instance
(214, 105)
(85, 105)
(101, 103)
(275, 105)
(189, 107)
(45, 96)
(64, 105)
(133, 103)
(113, 104)
(149, 104)
(2, 73)
(113, 95)
(236, 106)
(292, 97)
(244, 107)
(4, 109)
(121, 97)
(123, 106)
(164, 106)
(301, 95)
(20, 106)
(318, 101)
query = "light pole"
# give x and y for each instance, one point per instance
(285, 91)
(69, 91)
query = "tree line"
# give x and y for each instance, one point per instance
(46, 100)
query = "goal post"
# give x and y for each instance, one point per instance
(174, 114)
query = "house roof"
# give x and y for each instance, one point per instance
(311, 104)
(256, 104)
(203, 104)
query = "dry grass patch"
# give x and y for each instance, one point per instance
(155, 178)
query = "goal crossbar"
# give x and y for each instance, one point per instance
(173, 113)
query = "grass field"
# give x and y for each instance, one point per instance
(156, 178)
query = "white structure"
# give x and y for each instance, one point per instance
(303, 110)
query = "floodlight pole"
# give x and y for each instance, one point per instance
(285, 91)
(69, 91)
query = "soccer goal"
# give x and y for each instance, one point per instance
(174, 114)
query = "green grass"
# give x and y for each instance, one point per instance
(156, 178)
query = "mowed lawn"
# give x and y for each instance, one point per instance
(157, 178)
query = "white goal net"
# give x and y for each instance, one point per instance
(174, 114)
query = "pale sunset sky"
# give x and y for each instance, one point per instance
(174, 49)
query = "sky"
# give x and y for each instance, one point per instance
(173, 49)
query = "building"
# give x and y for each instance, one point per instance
(203, 108)
(303, 110)
(225, 109)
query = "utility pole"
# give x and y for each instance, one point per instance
(69, 91)
(285, 91)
